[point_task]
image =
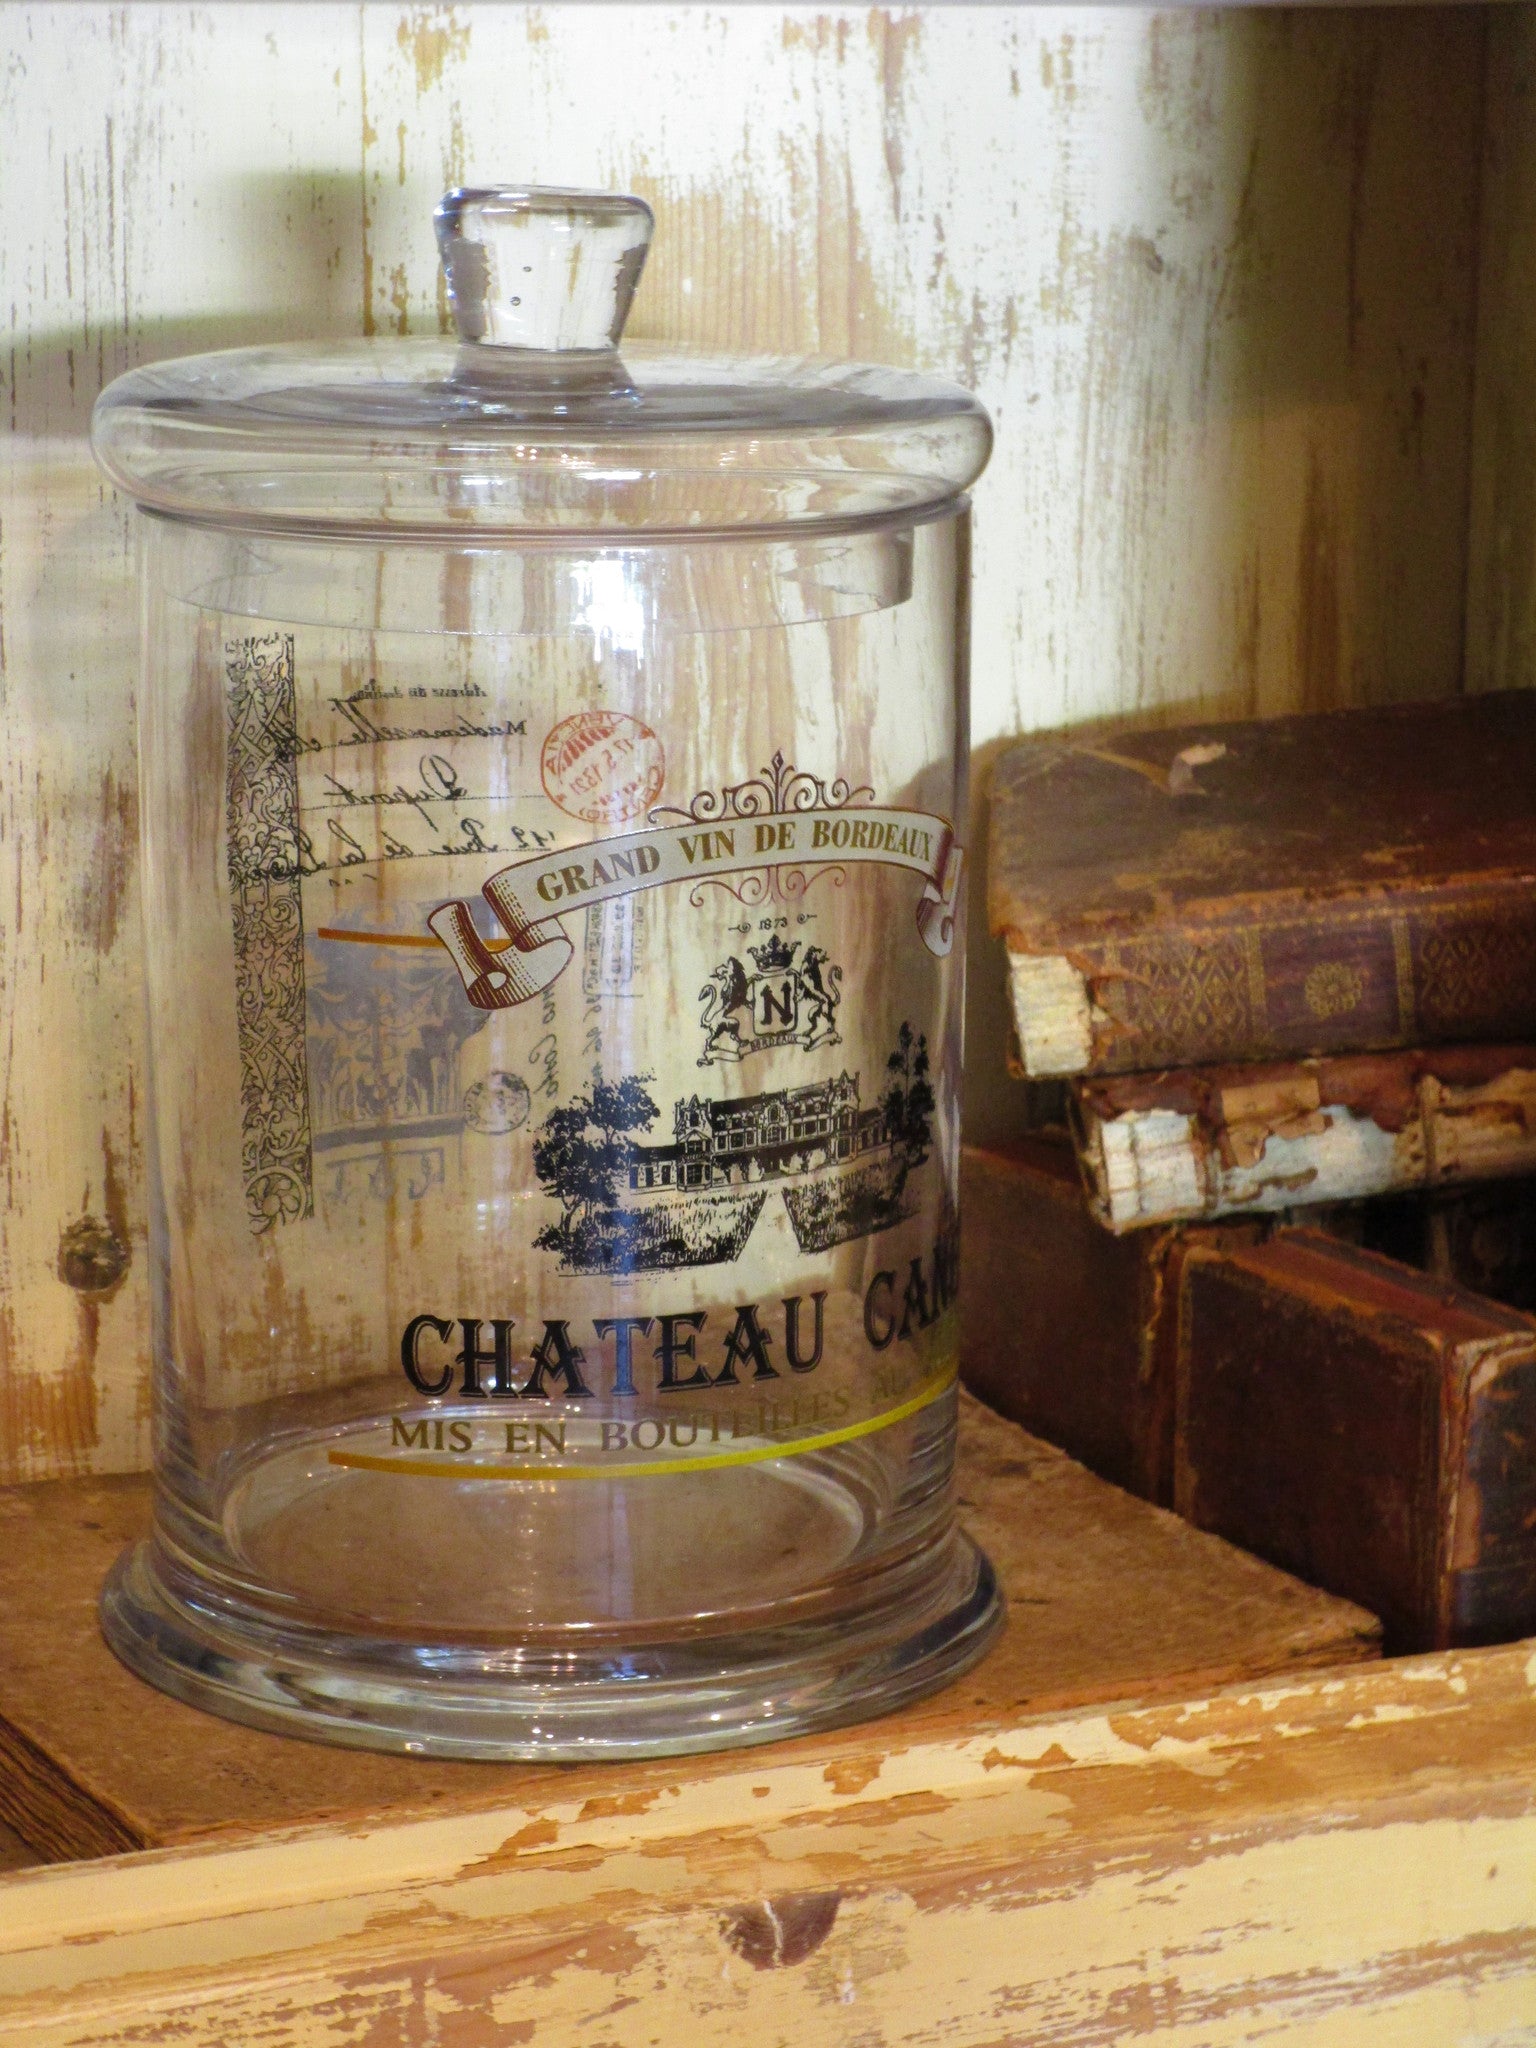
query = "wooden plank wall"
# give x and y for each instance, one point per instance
(1215, 274)
(1501, 554)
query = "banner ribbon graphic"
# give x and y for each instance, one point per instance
(531, 896)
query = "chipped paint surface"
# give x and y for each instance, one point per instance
(1213, 273)
(1349, 1858)
(1165, 1149)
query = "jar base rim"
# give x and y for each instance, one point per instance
(505, 1705)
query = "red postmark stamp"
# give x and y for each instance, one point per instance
(603, 767)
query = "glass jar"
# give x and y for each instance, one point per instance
(551, 765)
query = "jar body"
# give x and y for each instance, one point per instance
(554, 977)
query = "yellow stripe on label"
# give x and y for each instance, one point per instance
(427, 940)
(617, 1468)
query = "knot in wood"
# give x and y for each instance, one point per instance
(92, 1257)
(773, 1933)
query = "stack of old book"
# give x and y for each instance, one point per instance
(1277, 1270)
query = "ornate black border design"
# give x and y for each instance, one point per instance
(774, 791)
(778, 788)
(265, 877)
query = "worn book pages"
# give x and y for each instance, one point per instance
(1350, 1418)
(1233, 1141)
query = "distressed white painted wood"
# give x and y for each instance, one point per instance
(1345, 1861)
(1214, 272)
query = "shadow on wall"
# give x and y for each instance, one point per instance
(1247, 491)
(286, 262)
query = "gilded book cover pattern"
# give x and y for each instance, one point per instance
(1184, 990)
(1476, 970)
(1331, 982)
(265, 860)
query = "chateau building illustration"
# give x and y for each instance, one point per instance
(841, 1171)
(761, 1137)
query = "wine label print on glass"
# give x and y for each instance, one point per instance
(554, 790)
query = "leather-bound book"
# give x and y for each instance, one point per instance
(1365, 1426)
(1483, 1238)
(1360, 1422)
(1486, 1239)
(1255, 891)
(1198, 1142)
(1063, 1328)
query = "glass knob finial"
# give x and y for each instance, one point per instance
(536, 267)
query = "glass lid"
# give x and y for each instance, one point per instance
(532, 423)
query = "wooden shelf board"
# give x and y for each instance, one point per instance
(1108, 1599)
(1345, 1858)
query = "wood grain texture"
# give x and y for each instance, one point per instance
(1213, 273)
(1501, 536)
(93, 1761)
(1346, 1860)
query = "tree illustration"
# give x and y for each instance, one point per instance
(909, 1099)
(584, 1150)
